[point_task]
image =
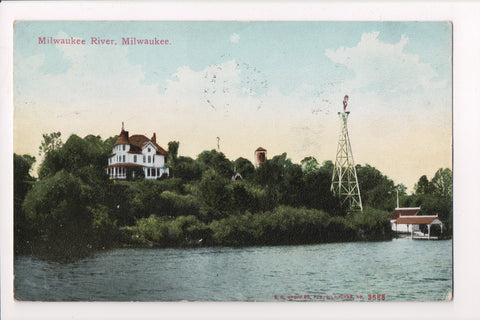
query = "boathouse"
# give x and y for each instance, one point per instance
(419, 226)
(135, 156)
(407, 221)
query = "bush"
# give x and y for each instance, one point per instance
(57, 207)
(284, 225)
(164, 232)
(371, 224)
(174, 204)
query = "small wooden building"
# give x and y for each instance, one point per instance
(417, 224)
(407, 221)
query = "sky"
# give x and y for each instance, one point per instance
(278, 85)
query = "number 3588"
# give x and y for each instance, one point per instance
(376, 297)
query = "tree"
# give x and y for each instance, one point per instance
(187, 169)
(216, 161)
(402, 190)
(317, 193)
(282, 179)
(22, 183)
(22, 180)
(310, 164)
(146, 198)
(77, 154)
(423, 186)
(244, 167)
(442, 183)
(52, 163)
(241, 199)
(58, 207)
(51, 142)
(435, 197)
(173, 154)
(328, 166)
(376, 189)
(214, 195)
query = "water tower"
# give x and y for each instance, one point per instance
(260, 156)
(344, 178)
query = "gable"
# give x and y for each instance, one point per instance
(149, 144)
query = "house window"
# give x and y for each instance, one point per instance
(135, 158)
(149, 159)
(144, 159)
(149, 149)
(123, 147)
(123, 158)
(153, 159)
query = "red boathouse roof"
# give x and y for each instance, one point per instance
(416, 220)
(404, 212)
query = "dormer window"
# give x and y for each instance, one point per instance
(123, 147)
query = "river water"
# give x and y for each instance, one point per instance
(397, 270)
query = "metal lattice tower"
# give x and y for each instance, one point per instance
(344, 178)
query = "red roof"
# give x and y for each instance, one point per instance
(416, 220)
(122, 138)
(260, 149)
(404, 212)
(137, 142)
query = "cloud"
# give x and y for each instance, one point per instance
(234, 38)
(384, 67)
(234, 101)
(401, 113)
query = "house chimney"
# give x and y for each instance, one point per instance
(154, 137)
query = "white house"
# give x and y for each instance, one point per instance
(136, 155)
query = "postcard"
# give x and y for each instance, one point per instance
(232, 161)
(283, 162)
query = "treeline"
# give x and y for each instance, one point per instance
(74, 208)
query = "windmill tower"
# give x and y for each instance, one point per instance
(344, 178)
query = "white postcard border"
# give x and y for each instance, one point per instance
(466, 24)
